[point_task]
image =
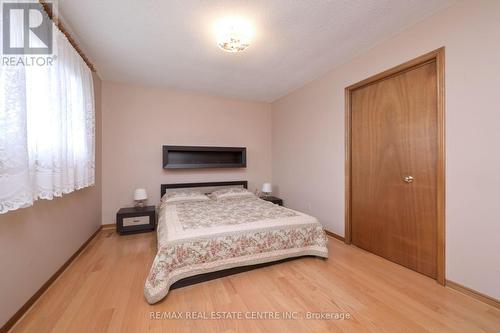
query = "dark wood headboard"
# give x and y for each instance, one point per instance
(164, 187)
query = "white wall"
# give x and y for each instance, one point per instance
(308, 136)
(138, 121)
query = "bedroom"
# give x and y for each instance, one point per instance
(281, 115)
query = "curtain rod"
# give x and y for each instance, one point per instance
(61, 28)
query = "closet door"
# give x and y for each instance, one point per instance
(394, 154)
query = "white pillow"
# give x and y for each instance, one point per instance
(232, 192)
(176, 196)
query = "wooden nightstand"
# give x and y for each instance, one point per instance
(274, 200)
(134, 220)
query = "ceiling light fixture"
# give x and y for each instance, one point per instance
(233, 34)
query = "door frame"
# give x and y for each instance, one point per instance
(437, 56)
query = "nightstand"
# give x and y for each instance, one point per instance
(274, 200)
(134, 220)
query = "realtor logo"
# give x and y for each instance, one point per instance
(27, 29)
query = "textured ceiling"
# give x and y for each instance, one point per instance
(171, 42)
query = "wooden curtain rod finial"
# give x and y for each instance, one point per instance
(70, 39)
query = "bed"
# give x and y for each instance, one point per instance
(199, 240)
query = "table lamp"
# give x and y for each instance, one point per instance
(267, 189)
(140, 197)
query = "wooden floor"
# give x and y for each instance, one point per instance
(102, 291)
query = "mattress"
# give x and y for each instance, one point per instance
(206, 236)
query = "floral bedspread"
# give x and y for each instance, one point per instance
(206, 236)
(205, 214)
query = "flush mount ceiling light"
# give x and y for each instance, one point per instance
(233, 34)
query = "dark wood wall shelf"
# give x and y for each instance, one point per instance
(195, 157)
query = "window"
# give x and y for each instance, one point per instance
(47, 127)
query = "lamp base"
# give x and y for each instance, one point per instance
(139, 204)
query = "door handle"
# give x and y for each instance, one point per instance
(408, 179)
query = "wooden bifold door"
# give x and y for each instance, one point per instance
(395, 166)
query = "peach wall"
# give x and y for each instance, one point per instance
(311, 121)
(139, 120)
(36, 241)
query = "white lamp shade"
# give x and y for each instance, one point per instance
(140, 194)
(267, 188)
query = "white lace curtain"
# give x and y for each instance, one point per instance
(47, 127)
